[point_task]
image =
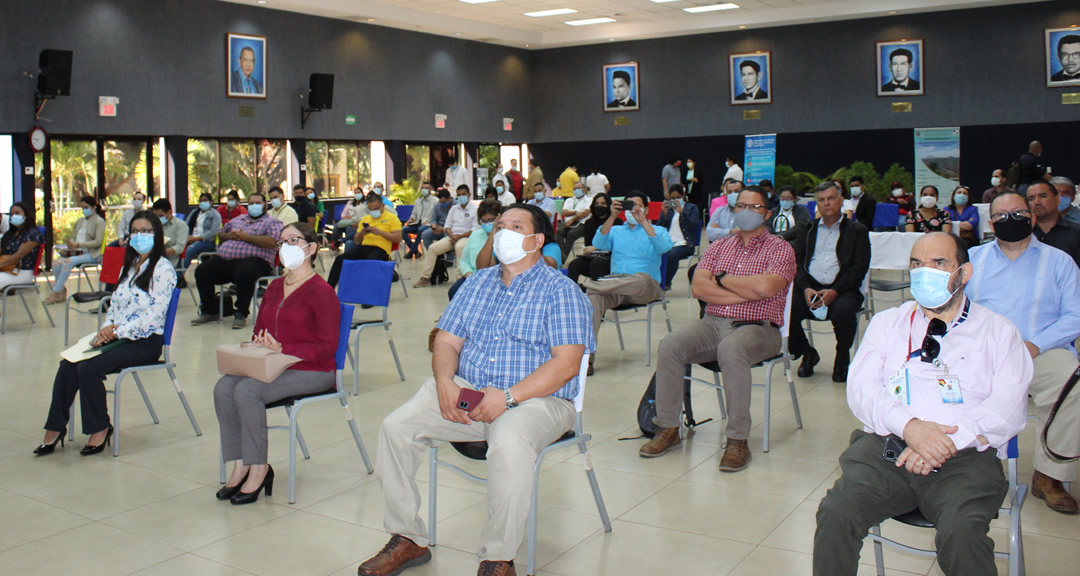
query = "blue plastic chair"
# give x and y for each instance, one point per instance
(1015, 502)
(886, 215)
(180, 216)
(368, 282)
(648, 316)
(293, 405)
(404, 212)
(166, 364)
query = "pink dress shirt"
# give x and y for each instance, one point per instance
(985, 352)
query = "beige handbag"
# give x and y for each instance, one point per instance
(251, 360)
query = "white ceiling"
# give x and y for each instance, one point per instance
(503, 21)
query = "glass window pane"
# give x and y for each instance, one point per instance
(74, 175)
(202, 158)
(363, 167)
(237, 166)
(159, 162)
(342, 174)
(487, 162)
(417, 165)
(273, 169)
(316, 166)
(125, 174)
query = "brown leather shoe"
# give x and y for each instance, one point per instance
(398, 554)
(422, 282)
(665, 440)
(736, 456)
(1053, 491)
(496, 568)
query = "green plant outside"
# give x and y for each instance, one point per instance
(405, 193)
(874, 184)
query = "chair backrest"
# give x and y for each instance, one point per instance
(404, 212)
(170, 316)
(180, 216)
(654, 211)
(366, 282)
(892, 250)
(38, 258)
(812, 207)
(344, 328)
(339, 209)
(785, 329)
(886, 215)
(583, 372)
(112, 264)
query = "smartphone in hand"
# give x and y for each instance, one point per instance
(469, 399)
(366, 225)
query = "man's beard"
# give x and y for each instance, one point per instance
(958, 293)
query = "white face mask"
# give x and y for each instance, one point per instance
(995, 181)
(292, 256)
(928, 201)
(856, 191)
(897, 192)
(507, 246)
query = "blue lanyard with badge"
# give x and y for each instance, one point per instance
(948, 386)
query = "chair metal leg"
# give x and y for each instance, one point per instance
(298, 436)
(27, 306)
(667, 317)
(43, 307)
(808, 329)
(618, 329)
(294, 433)
(879, 557)
(768, 407)
(221, 304)
(146, 399)
(648, 335)
(71, 422)
(720, 395)
(433, 491)
(67, 321)
(591, 473)
(3, 313)
(355, 356)
(393, 350)
(794, 397)
(356, 435)
(183, 400)
(534, 505)
(404, 289)
(221, 453)
(116, 416)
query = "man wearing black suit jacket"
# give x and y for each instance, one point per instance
(900, 61)
(865, 205)
(1069, 56)
(620, 88)
(833, 257)
(750, 74)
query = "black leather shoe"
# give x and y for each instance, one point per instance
(88, 449)
(810, 359)
(227, 492)
(49, 448)
(839, 374)
(242, 497)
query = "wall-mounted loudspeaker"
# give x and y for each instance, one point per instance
(54, 78)
(321, 95)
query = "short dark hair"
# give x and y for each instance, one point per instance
(488, 207)
(637, 194)
(902, 52)
(676, 189)
(1053, 189)
(297, 187)
(162, 204)
(1006, 193)
(276, 189)
(247, 49)
(308, 233)
(854, 179)
(936, 191)
(756, 190)
(1070, 39)
(733, 160)
(205, 196)
(765, 183)
(787, 188)
(539, 217)
(254, 194)
(371, 197)
(538, 184)
(750, 64)
(825, 186)
(464, 187)
(621, 74)
(443, 193)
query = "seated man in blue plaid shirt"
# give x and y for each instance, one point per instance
(517, 333)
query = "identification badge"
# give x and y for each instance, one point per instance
(950, 390)
(898, 386)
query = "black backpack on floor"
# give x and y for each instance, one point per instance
(439, 275)
(646, 410)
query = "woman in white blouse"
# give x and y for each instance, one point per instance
(136, 318)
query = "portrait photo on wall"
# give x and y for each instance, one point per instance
(900, 68)
(751, 78)
(621, 87)
(1063, 56)
(245, 66)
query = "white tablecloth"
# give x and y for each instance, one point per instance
(892, 250)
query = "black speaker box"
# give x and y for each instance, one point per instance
(321, 96)
(54, 78)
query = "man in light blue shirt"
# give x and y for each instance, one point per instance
(1043, 306)
(722, 220)
(540, 199)
(636, 250)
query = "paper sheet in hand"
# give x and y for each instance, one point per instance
(81, 350)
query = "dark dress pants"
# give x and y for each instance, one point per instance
(843, 313)
(88, 379)
(589, 265)
(676, 255)
(242, 272)
(354, 253)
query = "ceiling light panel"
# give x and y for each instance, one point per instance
(555, 12)
(711, 8)
(590, 21)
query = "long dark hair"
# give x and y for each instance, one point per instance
(13, 230)
(131, 257)
(93, 204)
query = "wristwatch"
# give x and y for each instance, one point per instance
(720, 278)
(510, 402)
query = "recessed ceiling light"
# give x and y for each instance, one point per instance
(892, 11)
(554, 12)
(610, 39)
(262, 1)
(478, 1)
(741, 26)
(661, 1)
(589, 21)
(457, 33)
(370, 19)
(711, 8)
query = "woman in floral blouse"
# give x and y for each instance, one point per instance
(18, 248)
(136, 317)
(928, 217)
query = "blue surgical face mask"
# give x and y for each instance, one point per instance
(629, 217)
(732, 199)
(17, 220)
(787, 204)
(311, 196)
(930, 287)
(142, 243)
(578, 193)
(499, 189)
(538, 196)
(358, 197)
(488, 226)
(376, 214)
(232, 203)
(1063, 203)
(821, 312)
(204, 205)
(377, 190)
(462, 200)
(164, 220)
(86, 212)
(960, 199)
(275, 202)
(255, 210)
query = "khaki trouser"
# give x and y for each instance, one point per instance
(1052, 370)
(611, 293)
(438, 248)
(514, 441)
(713, 339)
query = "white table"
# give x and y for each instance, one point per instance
(984, 221)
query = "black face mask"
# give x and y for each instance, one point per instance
(1012, 230)
(601, 212)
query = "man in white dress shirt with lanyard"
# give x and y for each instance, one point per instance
(949, 378)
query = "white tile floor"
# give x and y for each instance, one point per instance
(152, 510)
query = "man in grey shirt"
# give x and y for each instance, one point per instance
(670, 175)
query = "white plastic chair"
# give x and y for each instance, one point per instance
(19, 289)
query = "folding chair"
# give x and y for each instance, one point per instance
(112, 264)
(166, 364)
(367, 282)
(293, 405)
(663, 301)
(81, 270)
(395, 255)
(478, 451)
(863, 311)
(783, 356)
(19, 289)
(1015, 498)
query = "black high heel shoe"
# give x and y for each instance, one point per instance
(88, 449)
(48, 448)
(242, 497)
(227, 492)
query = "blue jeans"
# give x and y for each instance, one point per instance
(63, 266)
(417, 229)
(196, 248)
(676, 255)
(429, 236)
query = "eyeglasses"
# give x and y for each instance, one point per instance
(492, 221)
(931, 348)
(1015, 215)
(294, 241)
(744, 206)
(149, 231)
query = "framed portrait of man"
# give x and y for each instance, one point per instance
(751, 78)
(621, 87)
(1062, 57)
(245, 66)
(900, 68)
